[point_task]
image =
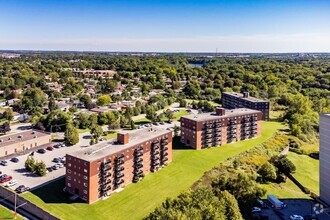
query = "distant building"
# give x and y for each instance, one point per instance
(220, 127)
(97, 171)
(325, 158)
(20, 142)
(238, 100)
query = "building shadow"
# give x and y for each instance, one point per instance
(53, 193)
(177, 145)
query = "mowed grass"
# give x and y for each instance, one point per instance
(138, 200)
(211, 102)
(307, 173)
(177, 116)
(7, 214)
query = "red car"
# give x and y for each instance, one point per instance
(50, 148)
(5, 178)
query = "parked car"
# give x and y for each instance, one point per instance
(50, 148)
(63, 145)
(22, 189)
(60, 165)
(55, 167)
(57, 159)
(14, 159)
(11, 183)
(32, 153)
(102, 139)
(162, 123)
(49, 169)
(256, 209)
(5, 178)
(296, 217)
(41, 151)
(155, 123)
(4, 163)
(57, 145)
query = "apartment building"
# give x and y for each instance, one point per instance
(97, 171)
(232, 100)
(217, 128)
(20, 142)
(325, 157)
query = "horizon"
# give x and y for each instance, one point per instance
(241, 26)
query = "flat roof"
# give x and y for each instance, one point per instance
(100, 150)
(21, 137)
(250, 98)
(228, 113)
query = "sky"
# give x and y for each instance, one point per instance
(166, 25)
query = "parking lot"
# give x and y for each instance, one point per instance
(302, 207)
(23, 177)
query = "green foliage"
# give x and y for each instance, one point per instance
(8, 114)
(285, 165)
(199, 204)
(30, 164)
(40, 168)
(267, 172)
(96, 132)
(33, 100)
(71, 135)
(103, 100)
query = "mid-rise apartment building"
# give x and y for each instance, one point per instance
(220, 127)
(95, 172)
(238, 100)
(325, 157)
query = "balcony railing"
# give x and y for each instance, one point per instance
(154, 163)
(119, 175)
(107, 162)
(164, 148)
(119, 168)
(119, 162)
(164, 154)
(121, 156)
(119, 181)
(138, 154)
(154, 152)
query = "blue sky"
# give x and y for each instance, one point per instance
(166, 26)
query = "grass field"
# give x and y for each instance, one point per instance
(177, 116)
(212, 103)
(307, 173)
(80, 131)
(7, 214)
(110, 136)
(137, 200)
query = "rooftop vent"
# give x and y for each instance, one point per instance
(20, 136)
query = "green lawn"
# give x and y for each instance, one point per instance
(7, 214)
(177, 116)
(307, 174)
(142, 121)
(83, 130)
(137, 200)
(110, 136)
(212, 103)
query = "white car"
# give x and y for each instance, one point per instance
(4, 163)
(256, 209)
(11, 183)
(296, 217)
(60, 165)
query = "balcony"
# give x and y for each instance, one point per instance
(120, 168)
(106, 168)
(218, 125)
(138, 154)
(154, 163)
(119, 181)
(106, 188)
(138, 160)
(154, 152)
(138, 172)
(119, 175)
(155, 147)
(154, 157)
(254, 128)
(107, 162)
(164, 154)
(164, 148)
(106, 175)
(138, 165)
(121, 156)
(164, 142)
(119, 162)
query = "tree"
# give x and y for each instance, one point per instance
(71, 135)
(151, 113)
(40, 168)
(182, 103)
(52, 104)
(8, 114)
(114, 125)
(103, 100)
(5, 127)
(132, 125)
(169, 114)
(267, 172)
(30, 164)
(285, 165)
(176, 130)
(33, 100)
(96, 132)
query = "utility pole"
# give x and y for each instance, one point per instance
(15, 206)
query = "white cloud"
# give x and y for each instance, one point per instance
(316, 42)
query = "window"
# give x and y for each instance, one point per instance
(85, 184)
(69, 164)
(85, 178)
(69, 171)
(85, 191)
(85, 170)
(69, 177)
(69, 184)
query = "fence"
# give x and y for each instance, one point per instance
(29, 207)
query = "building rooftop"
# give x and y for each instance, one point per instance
(228, 113)
(110, 147)
(21, 137)
(241, 96)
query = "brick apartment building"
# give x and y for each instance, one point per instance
(232, 100)
(20, 142)
(325, 157)
(224, 126)
(97, 171)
